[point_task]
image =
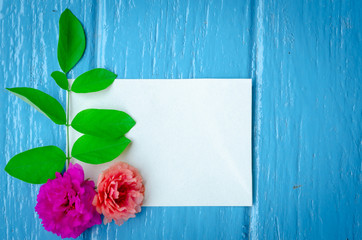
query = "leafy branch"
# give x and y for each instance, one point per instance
(103, 130)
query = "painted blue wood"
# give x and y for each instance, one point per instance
(308, 121)
(305, 61)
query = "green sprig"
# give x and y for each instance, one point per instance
(104, 129)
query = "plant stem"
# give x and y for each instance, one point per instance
(67, 124)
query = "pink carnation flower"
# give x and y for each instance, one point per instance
(65, 203)
(120, 193)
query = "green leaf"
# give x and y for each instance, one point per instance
(95, 150)
(37, 165)
(93, 81)
(71, 43)
(61, 79)
(103, 123)
(41, 101)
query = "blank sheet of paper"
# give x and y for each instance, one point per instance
(191, 142)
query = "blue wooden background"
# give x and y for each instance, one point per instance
(305, 61)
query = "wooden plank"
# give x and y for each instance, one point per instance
(307, 139)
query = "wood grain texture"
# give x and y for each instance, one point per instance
(305, 61)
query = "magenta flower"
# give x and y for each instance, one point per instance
(65, 203)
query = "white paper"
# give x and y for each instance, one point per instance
(192, 140)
